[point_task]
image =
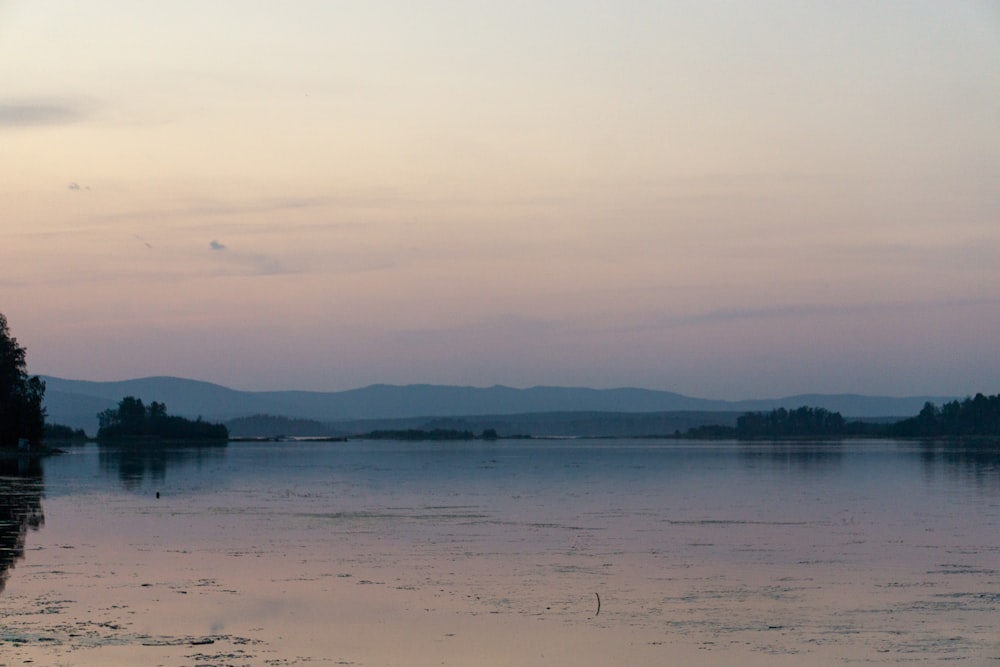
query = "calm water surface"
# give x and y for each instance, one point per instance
(496, 553)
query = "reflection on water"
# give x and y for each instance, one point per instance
(973, 462)
(792, 456)
(21, 490)
(136, 462)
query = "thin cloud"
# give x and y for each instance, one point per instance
(275, 205)
(808, 311)
(224, 209)
(257, 265)
(268, 266)
(29, 114)
(248, 263)
(73, 186)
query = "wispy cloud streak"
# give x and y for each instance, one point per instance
(40, 113)
(809, 311)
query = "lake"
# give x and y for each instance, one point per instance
(540, 552)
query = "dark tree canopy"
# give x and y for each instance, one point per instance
(979, 415)
(782, 423)
(21, 413)
(134, 419)
(61, 432)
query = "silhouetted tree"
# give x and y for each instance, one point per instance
(21, 411)
(157, 410)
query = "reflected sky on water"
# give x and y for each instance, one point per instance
(889, 545)
(627, 488)
(553, 481)
(573, 466)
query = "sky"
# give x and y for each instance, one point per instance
(723, 199)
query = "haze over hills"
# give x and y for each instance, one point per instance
(77, 402)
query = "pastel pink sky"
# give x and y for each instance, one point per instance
(724, 199)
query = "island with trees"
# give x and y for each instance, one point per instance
(133, 419)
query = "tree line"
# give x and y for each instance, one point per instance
(974, 416)
(978, 415)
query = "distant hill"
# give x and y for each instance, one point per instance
(76, 402)
(76, 410)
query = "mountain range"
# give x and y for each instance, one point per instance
(76, 403)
